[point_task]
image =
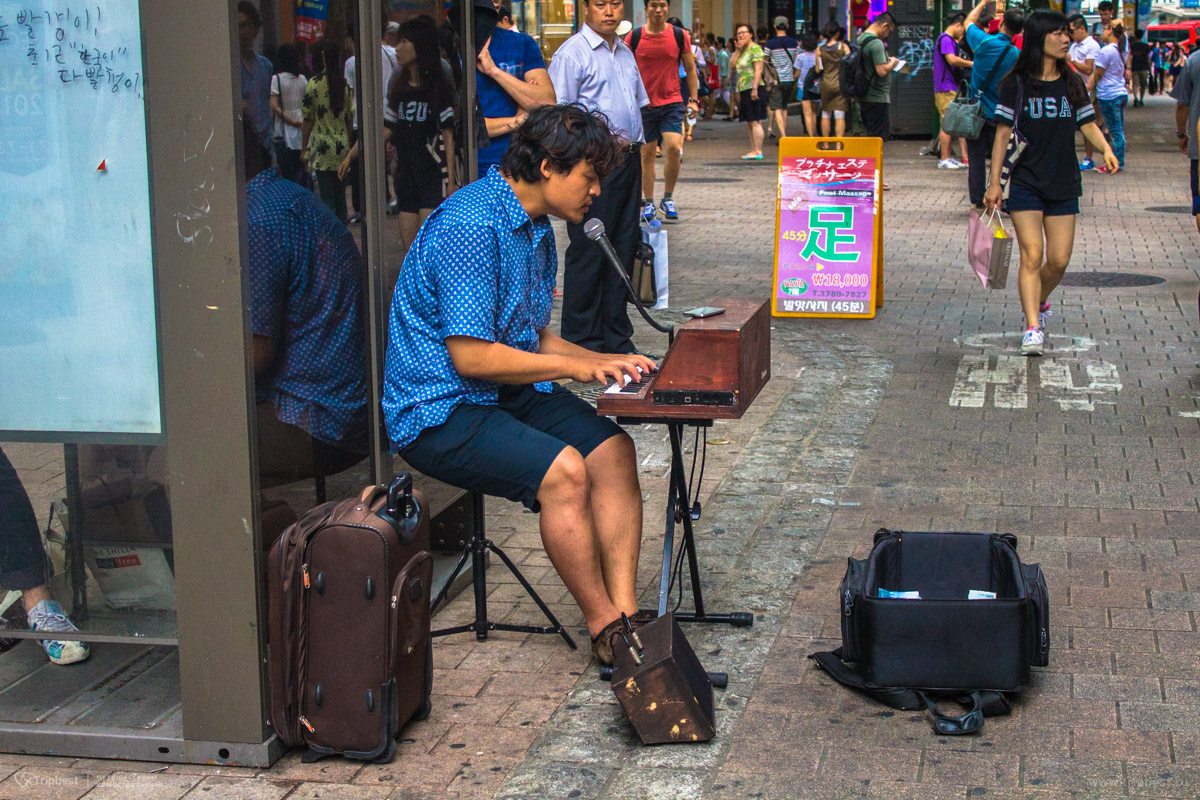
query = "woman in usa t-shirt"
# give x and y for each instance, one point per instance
(1044, 186)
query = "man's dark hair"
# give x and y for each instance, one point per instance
(505, 12)
(676, 21)
(954, 19)
(251, 12)
(884, 18)
(1075, 20)
(1013, 22)
(1105, 5)
(563, 135)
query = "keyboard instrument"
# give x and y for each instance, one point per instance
(713, 370)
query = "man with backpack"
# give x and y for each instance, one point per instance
(780, 53)
(949, 70)
(875, 104)
(994, 58)
(660, 48)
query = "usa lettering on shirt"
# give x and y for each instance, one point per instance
(1049, 107)
(414, 111)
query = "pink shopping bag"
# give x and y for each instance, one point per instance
(988, 249)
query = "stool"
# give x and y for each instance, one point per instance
(476, 550)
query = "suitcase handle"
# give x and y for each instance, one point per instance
(400, 504)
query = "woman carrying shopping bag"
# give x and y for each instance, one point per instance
(1041, 103)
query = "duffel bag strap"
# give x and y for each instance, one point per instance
(971, 722)
(983, 703)
(902, 699)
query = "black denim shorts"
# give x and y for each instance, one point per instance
(506, 449)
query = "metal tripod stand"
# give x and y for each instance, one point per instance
(476, 550)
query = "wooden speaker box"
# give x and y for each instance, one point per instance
(668, 697)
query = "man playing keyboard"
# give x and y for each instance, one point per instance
(469, 396)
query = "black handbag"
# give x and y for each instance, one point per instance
(941, 615)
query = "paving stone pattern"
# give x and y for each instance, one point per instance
(855, 431)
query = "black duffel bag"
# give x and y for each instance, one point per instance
(941, 615)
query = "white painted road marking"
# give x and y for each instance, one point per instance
(1102, 379)
(1056, 343)
(1010, 375)
(974, 375)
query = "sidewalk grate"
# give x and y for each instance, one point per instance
(1171, 209)
(1109, 280)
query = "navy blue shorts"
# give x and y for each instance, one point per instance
(506, 449)
(1195, 187)
(1021, 198)
(657, 120)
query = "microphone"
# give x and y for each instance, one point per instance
(594, 230)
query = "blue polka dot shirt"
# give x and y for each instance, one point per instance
(305, 293)
(479, 267)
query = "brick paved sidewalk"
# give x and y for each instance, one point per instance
(857, 430)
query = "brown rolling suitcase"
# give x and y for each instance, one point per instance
(349, 623)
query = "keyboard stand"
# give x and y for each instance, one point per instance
(679, 510)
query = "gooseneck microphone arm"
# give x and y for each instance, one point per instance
(594, 230)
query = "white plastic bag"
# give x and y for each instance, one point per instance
(658, 240)
(133, 578)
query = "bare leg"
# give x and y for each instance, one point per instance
(755, 132)
(616, 505)
(1060, 241)
(826, 125)
(962, 149)
(648, 156)
(569, 536)
(1028, 225)
(839, 127)
(672, 150)
(31, 597)
(781, 122)
(410, 224)
(943, 145)
(810, 118)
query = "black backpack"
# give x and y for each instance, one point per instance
(636, 37)
(855, 73)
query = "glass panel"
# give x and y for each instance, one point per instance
(307, 275)
(78, 342)
(420, 158)
(88, 526)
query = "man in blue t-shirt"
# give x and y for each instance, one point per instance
(511, 80)
(994, 58)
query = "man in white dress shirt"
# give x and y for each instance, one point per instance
(595, 69)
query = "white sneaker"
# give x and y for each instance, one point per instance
(1032, 341)
(48, 615)
(951, 163)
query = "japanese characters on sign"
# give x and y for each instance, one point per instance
(825, 253)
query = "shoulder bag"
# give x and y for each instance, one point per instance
(964, 116)
(1016, 142)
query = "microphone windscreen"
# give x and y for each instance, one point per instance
(593, 229)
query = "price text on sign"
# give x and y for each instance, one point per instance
(827, 234)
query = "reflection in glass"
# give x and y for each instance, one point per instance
(307, 320)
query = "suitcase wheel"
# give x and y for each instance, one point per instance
(424, 710)
(312, 756)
